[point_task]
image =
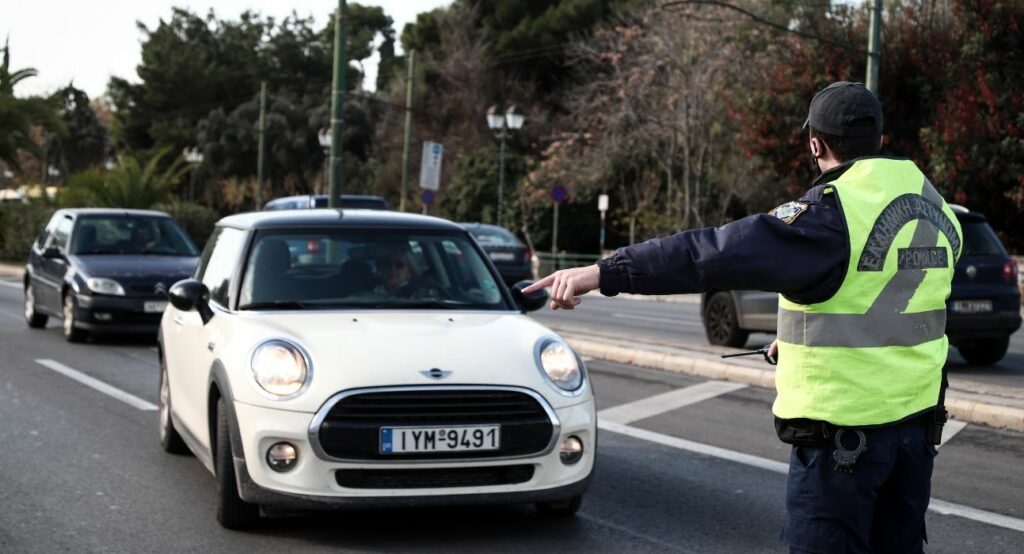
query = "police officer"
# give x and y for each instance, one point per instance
(863, 262)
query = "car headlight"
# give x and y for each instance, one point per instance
(102, 285)
(560, 364)
(280, 368)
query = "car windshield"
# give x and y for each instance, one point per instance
(979, 240)
(494, 236)
(130, 235)
(367, 269)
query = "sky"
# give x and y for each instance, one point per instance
(89, 41)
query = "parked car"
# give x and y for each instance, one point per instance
(983, 308)
(393, 370)
(310, 201)
(512, 258)
(105, 270)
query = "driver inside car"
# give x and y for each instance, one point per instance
(401, 276)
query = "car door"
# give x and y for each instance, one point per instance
(51, 278)
(36, 262)
(190, 345)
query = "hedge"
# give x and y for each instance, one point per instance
(19, 226)
(198, 221)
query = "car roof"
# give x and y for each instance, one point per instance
(113, 211)
(963, 214)
(327, 217)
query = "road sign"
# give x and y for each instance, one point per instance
(558, 193)
(430, 165)
(602, 203)
(427, 197)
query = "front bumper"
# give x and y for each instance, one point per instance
(120, 314)
(312, 483)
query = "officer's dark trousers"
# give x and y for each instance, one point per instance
(880, 507)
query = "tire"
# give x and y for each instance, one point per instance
(34, 319)
(170, 441)
(722, 323)
(71, 333)
(232, 511)
(984, 351)
(560, 508)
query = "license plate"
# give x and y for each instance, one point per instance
(503, 256)
(972, 306)
(153, 307)
(410, 440)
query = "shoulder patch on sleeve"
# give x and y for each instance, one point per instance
(789, 211)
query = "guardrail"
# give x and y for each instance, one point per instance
(546, 263)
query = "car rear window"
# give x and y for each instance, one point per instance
(980, 240)
(494, 237)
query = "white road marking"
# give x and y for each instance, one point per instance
(11, 284)
(666, 402)
(938, 506)
(952, 427)
(653, 319)
(131, 400)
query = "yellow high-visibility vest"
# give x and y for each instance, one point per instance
(873, 353)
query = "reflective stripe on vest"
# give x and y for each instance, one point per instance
(872, 354)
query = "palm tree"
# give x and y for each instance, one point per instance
(129, 185)
(19, 115)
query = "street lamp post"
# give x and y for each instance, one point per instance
(194, 157)
(324, 137)
(502, 125)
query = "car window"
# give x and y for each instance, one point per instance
(494, 236)
(130, 235)
(220, 259)
(369, 269)
(44, 235)
(980, 240)
(60, 235)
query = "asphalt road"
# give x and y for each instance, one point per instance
(81, 471)
(679, 324)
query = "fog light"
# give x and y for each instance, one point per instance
(282, 456)
(102, 316)
(571, 450)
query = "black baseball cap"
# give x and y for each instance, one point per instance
(845, 109)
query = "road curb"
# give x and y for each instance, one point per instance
(973, 411)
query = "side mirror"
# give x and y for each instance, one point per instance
(529, 302)
(189, 295)
(52, 253)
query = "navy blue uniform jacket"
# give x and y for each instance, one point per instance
(805, 259)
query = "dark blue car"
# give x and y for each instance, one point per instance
(105, 270)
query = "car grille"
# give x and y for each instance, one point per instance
(351, 429)
(433, 477)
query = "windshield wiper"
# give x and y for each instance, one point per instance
(275, 305)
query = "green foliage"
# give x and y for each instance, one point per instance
(472, 195)
(19, 115)
(85, 142)
(198, 221)
(129, 185)
(19, 226)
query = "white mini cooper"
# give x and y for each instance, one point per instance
(325, 358)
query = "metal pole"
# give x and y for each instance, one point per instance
(262, 145)
(601, 251)
(327, 154)
(554, 236)
(337, 103)
(192, 185)
(874, 47)
(408, 130)
(501, 177)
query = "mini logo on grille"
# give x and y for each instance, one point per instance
(436, 373)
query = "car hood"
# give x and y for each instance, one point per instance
(136, 268)
(351, 350)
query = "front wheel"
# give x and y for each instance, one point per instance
(560, 508)
(34, 319)
(722, 323)
(232, 511)
(984, 351)
(71, 332)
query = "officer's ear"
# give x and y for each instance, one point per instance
(816, 147)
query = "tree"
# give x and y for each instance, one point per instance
(18, 116)
(86, 141)
(131, 184)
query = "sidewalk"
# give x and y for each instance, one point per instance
(8, 269)
(981, 403)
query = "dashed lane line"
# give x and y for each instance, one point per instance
(89, 381)
(652, 319)
(938, 506)
(11, 285)
(666, 402)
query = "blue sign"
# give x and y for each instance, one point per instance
(427, 197)
(558, 193)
